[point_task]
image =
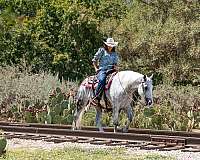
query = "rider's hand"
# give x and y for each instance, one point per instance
(96, 67)
(115, 67)
(97, 70)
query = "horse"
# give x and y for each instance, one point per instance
(122, 88)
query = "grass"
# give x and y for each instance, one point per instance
(79, 154)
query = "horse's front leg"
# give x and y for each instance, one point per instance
(115, 117)
(98, 118)
(129, 113)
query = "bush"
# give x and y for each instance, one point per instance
(24, 94)
(175, 108)
(3, 143)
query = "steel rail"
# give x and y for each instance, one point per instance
(107, 129)
(77, 133)
(132, 135)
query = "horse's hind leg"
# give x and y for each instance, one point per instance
(129, 113)
(79, 111)
(98, 118)
(77, 119)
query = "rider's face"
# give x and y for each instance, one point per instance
(109, 48)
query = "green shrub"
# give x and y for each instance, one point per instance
(174, 108)
(3, 143)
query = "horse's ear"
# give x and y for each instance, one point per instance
(151, 76)
(145, 78)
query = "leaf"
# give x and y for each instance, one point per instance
(3, 143)
(190, 114)
(148, 112)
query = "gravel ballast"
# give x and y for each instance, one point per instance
(39, 144)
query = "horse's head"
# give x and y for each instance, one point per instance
(145, 90)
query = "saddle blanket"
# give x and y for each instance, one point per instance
(91, 82)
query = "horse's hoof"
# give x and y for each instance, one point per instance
(101, 130)
(125, 130)
(76, 128)
(117, 129)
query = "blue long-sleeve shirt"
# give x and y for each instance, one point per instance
(106, 60)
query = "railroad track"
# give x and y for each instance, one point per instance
(142, 138)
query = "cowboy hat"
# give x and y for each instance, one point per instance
(110, 42)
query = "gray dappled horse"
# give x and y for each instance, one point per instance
(120, 94)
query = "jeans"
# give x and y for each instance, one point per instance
(101, 76)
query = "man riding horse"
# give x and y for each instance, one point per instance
(105, 61)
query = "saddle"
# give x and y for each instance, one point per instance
(91, 82)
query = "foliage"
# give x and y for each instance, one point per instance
(162, 37)
(3, 143)
(25, 96)
(89, 118)
(58, 110)
(60, 36)
(175, 108)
